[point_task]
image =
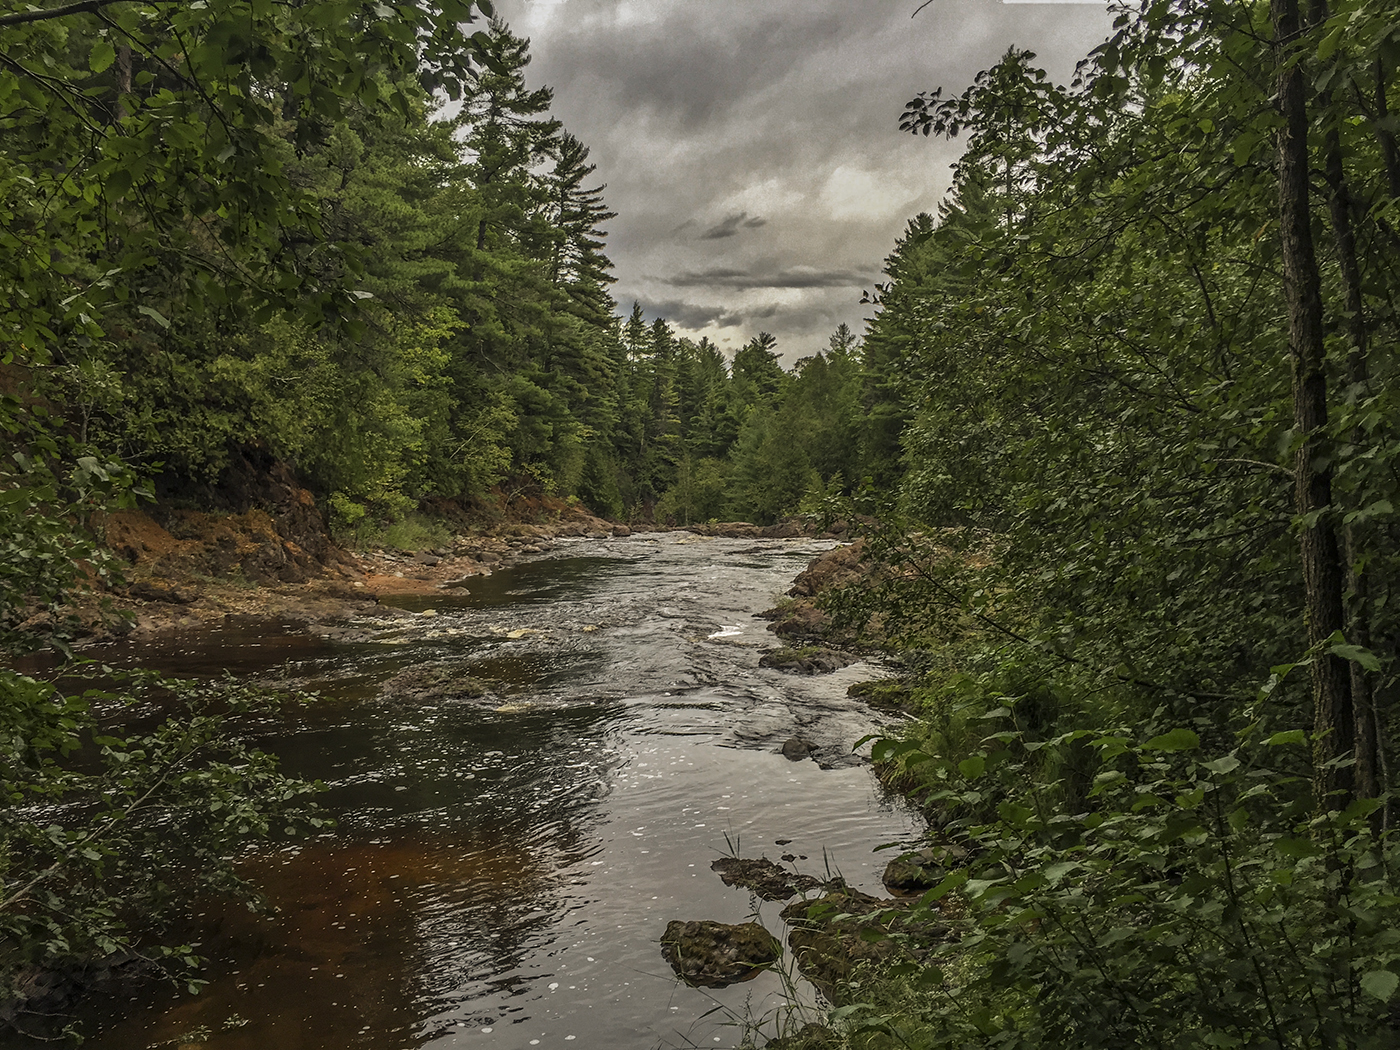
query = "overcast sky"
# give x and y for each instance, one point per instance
(751, 148)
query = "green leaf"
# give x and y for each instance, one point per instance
(1228, 764)
(1290, 736)
(1244, 149)
(1176, 740)
(972, 768)
(1057, 871)
(1381, 984)
(1328, 47)
(1358, 654)
(954, 880)
(155, 315)
(118, 181)
(102, 56)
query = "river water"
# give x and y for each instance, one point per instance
(502, 868)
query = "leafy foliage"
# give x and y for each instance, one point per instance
(106, 834)
(1181, 902)
(1138, 482)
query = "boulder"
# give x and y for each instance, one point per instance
(913, 873)
(795, 748)
(716, 954)
(433, 683)
(808, 660)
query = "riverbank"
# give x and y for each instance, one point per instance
(183, 569)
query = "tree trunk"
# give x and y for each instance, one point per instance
(1389, 153)
(1358, 632)
(1333, 721)
(1358, 624)
(123, 79)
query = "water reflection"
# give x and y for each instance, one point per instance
(530, 583)
(348, 957)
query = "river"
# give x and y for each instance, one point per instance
(501, 869)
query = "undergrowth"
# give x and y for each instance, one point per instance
(411, 533)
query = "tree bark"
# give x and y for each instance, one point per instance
(1358, 631)
(1333, 717)
(1342, 210)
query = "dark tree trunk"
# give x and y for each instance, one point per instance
(1358, 631)
(1386, 137)
(1323, 575)
(1342, 210)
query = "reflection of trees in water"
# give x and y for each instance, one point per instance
(340, 957)
(478, 933)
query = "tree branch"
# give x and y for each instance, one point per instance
(83, 7)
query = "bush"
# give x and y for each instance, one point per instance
(412, 532)
(106, 834)
(1188, 901)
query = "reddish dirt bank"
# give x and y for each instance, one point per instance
(184, 568)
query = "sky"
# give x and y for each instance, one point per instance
(752, 150)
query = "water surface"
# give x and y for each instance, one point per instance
(503, 867)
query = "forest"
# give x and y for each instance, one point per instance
(1123, 426)
(432, 320)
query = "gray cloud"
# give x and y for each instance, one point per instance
(692, 315)
(797, 277)
(703, 115)
(732, 225)
(732, 328)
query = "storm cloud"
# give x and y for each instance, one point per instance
(752, 150)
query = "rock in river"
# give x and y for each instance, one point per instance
(433, 683)
(795, 748)
(913, 873)
(716, 954)
(770, 881)
(808, 660)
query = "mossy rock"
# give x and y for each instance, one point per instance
(806, 660)
(716, 954)
(433, 683)
(887, 694)
(914, 873)
(770, 881)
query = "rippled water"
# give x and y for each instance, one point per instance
(502, 869)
